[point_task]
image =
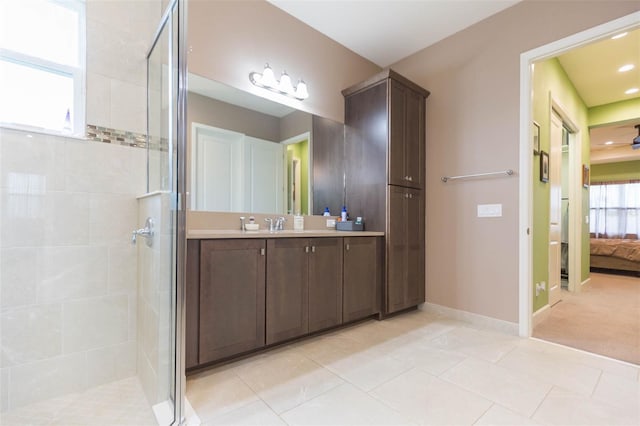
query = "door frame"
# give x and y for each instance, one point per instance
(575, 191)
(525, 184)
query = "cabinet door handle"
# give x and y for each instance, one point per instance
(410, 178)
(410, 195)
(347, 247)
(406, 195)
(262, 252)
(306, 249)
(313, 249)
(407, 178)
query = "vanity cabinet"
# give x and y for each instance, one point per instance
(244, 294)
(362, 277)
(406, 249)
(231, 300)
(406, 136)
(385, 151)
(304, 286)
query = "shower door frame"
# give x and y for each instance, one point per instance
(178, 7)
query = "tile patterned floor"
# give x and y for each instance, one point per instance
(418, 368)
(117, 403)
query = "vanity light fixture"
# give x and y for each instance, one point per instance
(268, 81)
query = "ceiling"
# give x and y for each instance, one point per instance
(593, 70)
(385, 31)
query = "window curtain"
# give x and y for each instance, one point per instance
(615, 209)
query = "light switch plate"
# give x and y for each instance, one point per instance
(489, 210)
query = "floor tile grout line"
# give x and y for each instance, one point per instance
(483, 414)
(542, 402)
(593, 391)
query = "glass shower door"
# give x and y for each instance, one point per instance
(159, 298)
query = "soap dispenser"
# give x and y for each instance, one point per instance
(326, 212)
(343, 214)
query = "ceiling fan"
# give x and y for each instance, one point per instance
(635, 144)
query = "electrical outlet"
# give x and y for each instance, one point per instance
(331, 223)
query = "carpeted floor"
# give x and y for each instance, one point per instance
(604, 319)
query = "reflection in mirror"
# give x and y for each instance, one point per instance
(247, 154)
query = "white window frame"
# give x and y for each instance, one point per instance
(78, 74)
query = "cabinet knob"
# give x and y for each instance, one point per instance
(306, 249)
(313, 249)
(407, 178)
(410, 178)
(347, 247)
(261, 252)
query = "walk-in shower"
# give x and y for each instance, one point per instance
(89, 321)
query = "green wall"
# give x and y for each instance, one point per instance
(550, 78)
(614, 113)
(625, 170)
(300, 150)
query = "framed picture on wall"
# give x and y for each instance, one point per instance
(585, 176)
(535, 132)
(544, 166)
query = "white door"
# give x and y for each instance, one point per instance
(555, 209)
(265, 190)
(216, 182)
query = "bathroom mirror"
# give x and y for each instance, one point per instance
(247, 153)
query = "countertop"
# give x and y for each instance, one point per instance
(201, 234)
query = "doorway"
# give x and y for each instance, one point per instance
(527, 285)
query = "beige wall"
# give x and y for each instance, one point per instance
(212, 112)
(229, 39)
(473, 126)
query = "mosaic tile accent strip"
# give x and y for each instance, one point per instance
(117, 137)
(124, 137)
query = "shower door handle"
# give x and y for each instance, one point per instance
(146, 232)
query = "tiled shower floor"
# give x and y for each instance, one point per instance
(118, 403)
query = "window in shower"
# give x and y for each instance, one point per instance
(42, 65)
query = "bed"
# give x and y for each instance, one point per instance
(621, 255)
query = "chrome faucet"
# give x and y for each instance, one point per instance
(275, 224)
(271, 224)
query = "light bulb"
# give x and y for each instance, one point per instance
(285, 84)
(301, 90)
(268, 79)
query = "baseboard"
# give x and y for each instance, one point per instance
(540, 315)
(190, 414)
(475, 319)
(585, 284)
(164, 413)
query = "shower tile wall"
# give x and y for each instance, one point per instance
(68, 296)
(67, 267)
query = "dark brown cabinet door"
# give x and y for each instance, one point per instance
(405, 249)
(232, 298)
(406, 137)
(362, 282)
(192, 303)
(287, 314)
(325, 283)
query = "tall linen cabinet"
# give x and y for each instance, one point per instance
(384, 176)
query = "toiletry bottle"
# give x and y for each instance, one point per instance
(326, 212)
(298, 222)
(343, 215)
